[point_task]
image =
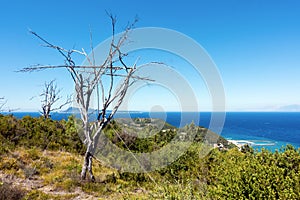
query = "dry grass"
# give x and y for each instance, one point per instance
(55, 175)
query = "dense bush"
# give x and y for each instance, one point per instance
(200, 173)
(128, 137)
(39, 132)
(260, 175)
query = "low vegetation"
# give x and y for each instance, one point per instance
(42, 158)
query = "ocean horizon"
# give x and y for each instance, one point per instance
(269, 130)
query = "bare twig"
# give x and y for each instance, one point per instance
(50, 96)
(89, 78)
(2, 103)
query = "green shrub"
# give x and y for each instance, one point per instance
(262, 175)
(39, 132)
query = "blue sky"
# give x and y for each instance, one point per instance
(255, 44)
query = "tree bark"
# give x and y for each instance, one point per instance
(87, 81)
(87, 166)
(91, 148)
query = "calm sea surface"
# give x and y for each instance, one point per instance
(270, 130)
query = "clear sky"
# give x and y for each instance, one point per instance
(254, 43)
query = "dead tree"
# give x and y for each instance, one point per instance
(50, 96)
(89, 81)
(2, 103)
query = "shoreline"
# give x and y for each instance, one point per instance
(252, 143)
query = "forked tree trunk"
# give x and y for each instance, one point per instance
(87, 166)
(88, 157)
(87, 82)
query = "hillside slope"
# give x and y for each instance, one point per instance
(41, 159)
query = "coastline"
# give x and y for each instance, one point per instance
(270, 131)
(252, 142)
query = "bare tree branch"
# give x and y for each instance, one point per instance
(89, 78)
(2, 103)
(50, 96)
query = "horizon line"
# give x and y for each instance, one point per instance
(146, 111)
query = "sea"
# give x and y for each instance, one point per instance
(268, 130)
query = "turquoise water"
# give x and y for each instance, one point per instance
(269, 130)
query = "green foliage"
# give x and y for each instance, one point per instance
(37, 147)
(228, 174)
(36, 194)
(262, 175)
(39, 132)
(143, 136)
